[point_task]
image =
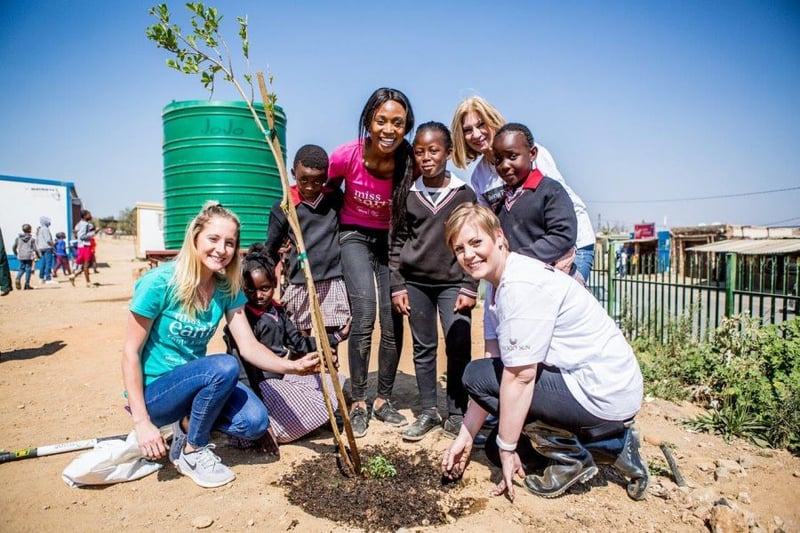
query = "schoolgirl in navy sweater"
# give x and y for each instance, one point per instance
(295, 404)
(426, 278)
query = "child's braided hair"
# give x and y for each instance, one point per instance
(258, 259)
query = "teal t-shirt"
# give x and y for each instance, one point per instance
(174, 338)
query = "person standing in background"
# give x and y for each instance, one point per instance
(93, 256)
(62, 260)
(84, 231)
(25, 250)
(44, 245)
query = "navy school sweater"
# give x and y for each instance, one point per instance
(275, 330)
(418, 252)
(319, 223)
(538, 218)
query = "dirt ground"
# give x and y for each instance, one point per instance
(60, 380)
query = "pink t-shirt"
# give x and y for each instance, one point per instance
(367, 199)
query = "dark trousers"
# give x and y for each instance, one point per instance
(552, 403)
(63, 263)
(365, 263)
(425, 301)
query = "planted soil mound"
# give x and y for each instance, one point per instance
(415, 496)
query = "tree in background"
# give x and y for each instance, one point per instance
(123, 224)
(126, 221)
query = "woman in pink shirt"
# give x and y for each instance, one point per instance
(372, 168)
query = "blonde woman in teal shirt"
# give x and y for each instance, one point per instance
(174, 313)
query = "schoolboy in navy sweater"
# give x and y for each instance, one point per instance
(318, 213)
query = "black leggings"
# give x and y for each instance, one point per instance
(365, 266)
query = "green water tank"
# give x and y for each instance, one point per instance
(213, 150)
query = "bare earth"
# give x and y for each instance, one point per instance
(60, 380)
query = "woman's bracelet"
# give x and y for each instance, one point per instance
(506, 447)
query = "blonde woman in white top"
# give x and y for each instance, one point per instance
(474, 125)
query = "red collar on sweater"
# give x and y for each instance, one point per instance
(534, 179)
(258, 312)
(297, 199)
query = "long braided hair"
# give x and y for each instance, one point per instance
(403, 155)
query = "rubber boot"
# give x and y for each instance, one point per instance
(622, 452)
(571, 462)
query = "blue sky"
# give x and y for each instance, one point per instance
(644, 105)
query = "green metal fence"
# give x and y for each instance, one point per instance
(645, 296)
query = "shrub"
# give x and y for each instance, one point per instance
(672, 368)
(747, 375)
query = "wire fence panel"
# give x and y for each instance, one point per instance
(644, 295)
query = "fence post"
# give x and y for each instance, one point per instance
(730, 283)
(612, 283)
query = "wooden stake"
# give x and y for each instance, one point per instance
(317, 321)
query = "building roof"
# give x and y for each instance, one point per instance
(751, 246)
(699, 231)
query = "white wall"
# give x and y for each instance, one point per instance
(24, 201)
(149, 228)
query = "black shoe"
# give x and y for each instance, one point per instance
(387, 414)
(425, 422)
(623, 453)
(28, 288)
(337, 416)
(3, 293)
(452, 426)
(359, 421)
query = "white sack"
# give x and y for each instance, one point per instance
(111, 461)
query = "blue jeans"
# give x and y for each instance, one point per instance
(365, 263)
(46, 264)
(584, 258)
(425, 300)
(25, 267)
(208, 390)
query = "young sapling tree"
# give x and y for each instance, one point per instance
(204, 52)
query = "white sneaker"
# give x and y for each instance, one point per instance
(51, 282)
(205, 467)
